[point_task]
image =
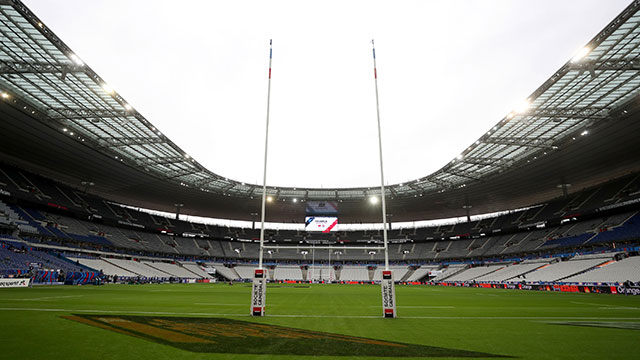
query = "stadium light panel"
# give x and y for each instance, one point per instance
(5, 95)
(295, 200)
(523, 106)
(269, 199)
(581, 54)
(373, 200)
(584, 133)
(76, 59)
(107, 88)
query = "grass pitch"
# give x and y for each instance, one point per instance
(206, 321)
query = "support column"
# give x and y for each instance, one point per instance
(178, 207)
(468, 211)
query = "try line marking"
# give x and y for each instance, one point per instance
(47, 298)
(328, 316)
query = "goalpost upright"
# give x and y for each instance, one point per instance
(259, 288)
(387, 283)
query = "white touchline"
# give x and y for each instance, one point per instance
(328, 316)
(47, 298)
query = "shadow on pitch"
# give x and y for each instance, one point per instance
(216, 335)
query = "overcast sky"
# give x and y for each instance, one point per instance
(448, 71)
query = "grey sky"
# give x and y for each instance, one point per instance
(448, 71)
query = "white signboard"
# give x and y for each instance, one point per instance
(321, 223)
(7, 283)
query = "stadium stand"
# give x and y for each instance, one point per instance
(475, 272)
(611, 272)
(84, 221)
(561, 270)
(284, 272)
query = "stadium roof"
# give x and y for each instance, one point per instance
(69, 103)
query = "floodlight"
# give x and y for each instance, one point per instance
(523, 106)
(584, 133)
(5, 95)
(373, 200)
(580, 54)
(295, 200)
(76, 59)
(107, 88)
(269, 199)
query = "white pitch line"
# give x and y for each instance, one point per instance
(121, 312)
(331, 316)
(618, 308)
(588, 303)
(426, 307)
(607, 306)
(219, 304)
(419, 307)
(48, 298)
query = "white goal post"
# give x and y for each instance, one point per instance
(259, 287)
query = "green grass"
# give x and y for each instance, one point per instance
(432, 321)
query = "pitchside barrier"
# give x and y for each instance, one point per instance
(9, 283)
(597, 289)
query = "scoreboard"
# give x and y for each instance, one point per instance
(324, 224)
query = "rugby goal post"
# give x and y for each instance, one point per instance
(259, 286)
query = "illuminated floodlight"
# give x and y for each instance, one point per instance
(269, 199)
(107, 88)
(373, 200)
(523, 106)
(295, 200)
(5, 95)
(76, 59)
(580, 54)
(128, 107)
